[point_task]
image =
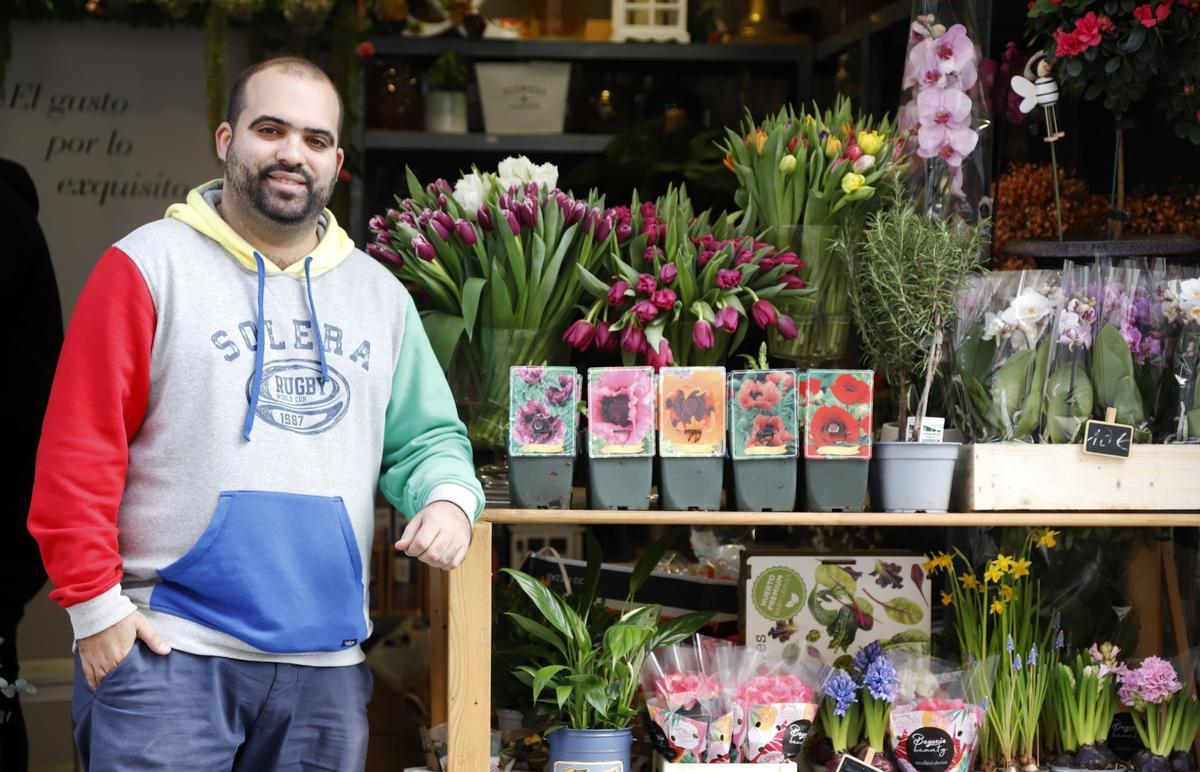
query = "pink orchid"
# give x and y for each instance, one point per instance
(951, 146)
(955, 54)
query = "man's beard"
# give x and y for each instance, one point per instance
(302, 207)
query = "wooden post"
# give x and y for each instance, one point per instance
(469, 656)
(438, 599)
(1146, 597)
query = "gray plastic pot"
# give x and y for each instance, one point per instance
(836, 485)
(589, 750)
(691, 483)
(914, 476)
(541, 482)
(765, 484)
(620, 483)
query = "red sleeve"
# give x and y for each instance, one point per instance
(96, 406)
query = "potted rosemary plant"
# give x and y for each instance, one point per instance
(586, 676)
(905, 270)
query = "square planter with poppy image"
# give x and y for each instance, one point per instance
(691, 412)
(542, 431)
(620, 412)
(838, 411)
(763, 414)
(542, 411)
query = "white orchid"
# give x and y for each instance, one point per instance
(994, 327)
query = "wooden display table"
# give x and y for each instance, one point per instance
(462, 636)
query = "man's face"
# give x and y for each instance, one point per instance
(282, 158)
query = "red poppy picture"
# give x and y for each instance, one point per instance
(850, 390)
(838, 414)
(768, 432)
(763, 414)
(762, 395)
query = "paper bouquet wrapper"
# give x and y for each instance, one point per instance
(937, 740)
(775, 733)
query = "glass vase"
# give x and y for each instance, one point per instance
(823, 322)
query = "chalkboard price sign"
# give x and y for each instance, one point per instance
(1108, 439)
(851, 764)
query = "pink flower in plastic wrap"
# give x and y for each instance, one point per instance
(684, 690)
(935, 704)
(775, 690)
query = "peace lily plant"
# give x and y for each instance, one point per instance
(586, 676)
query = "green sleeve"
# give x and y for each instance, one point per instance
(425, 445)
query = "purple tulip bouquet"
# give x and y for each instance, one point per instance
(681, 289)
(501, 257)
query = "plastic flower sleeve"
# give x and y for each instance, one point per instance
(1069, 397)
(944, 114)
(1154, 340)
(1184, 306)
(1017, 381)
(972, 356)
(779, 701)
(1112, 353)
(938, 714)
(682, 701)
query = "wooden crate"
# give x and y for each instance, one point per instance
(1014, 476)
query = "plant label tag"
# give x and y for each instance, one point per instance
(763, 414)
(691, 412)
(932, 429)
(794, 737)
(620, 407)
(1106, 438)
(851, 764)
(1123, 738)
(542, 411)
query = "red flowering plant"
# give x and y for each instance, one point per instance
(683, 288)
(1120, 49)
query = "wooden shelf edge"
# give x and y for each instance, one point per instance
(881, 519)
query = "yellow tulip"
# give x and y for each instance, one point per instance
(787, 164)
(833, 147)
(852, 182)
(870, 142)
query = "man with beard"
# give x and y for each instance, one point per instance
(204, 497)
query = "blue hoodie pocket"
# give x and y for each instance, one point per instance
(279, 571)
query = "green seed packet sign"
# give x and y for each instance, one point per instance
(621, 404)
(838, 414)
(541, 411)
(778, 593)
(763, 414)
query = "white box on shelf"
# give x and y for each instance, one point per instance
(660, 21)
(566, 540)
(523, 97)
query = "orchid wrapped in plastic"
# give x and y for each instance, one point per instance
(973, 356)
(943, 113)
(1181, 305)
(1068, 393)
(1118, 337)
(1017, 378)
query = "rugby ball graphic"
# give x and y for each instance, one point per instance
(292, 396)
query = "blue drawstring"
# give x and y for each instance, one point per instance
(256, 381)
(312, 309)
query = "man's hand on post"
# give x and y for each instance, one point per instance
(438, 536)
(102, 652)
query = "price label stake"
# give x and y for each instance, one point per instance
(1108, 438)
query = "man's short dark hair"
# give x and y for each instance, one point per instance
(294, 65)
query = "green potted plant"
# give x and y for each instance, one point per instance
(446, 98)
(906, 269)
(586, 675)
(1083, 694)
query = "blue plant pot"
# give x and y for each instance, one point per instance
(589, 750)
(541, 482)
(691, 483)
(620, 483)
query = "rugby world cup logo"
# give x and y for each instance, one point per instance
(292, 396)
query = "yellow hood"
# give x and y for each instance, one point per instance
(199, 212)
